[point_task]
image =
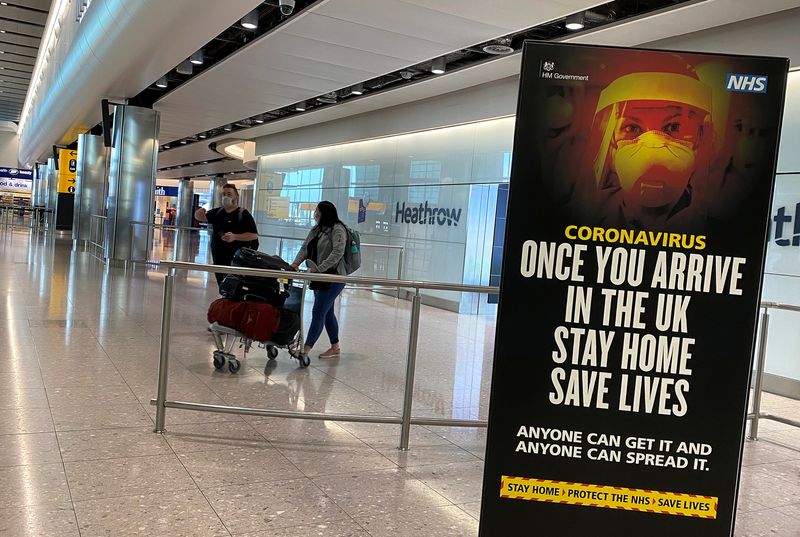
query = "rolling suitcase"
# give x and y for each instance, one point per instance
(247, 257)
(267, 290)
(287, 328)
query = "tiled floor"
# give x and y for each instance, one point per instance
(78, 455)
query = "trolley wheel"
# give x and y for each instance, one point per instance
(219, 359)
(234, 365)
(272, 352)
(304, 360)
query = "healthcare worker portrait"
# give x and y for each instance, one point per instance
(653, 134)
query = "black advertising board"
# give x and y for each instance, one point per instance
(639, 200)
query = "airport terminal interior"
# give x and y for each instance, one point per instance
(124, 123)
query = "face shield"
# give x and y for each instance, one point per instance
(652, 126)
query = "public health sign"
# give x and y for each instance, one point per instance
(639, 200)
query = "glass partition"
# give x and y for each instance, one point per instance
(429, 192)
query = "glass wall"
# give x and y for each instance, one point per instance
(433, 193)
(782, 284)
(441, 195)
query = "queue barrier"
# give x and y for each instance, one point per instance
(280, 238)
(40, 217)
(97, 232)
(758, 375)
(406, 420)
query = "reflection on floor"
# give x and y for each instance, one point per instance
(78, 456)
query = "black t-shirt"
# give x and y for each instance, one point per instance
(222, 222)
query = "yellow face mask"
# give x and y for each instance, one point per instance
(653, 169)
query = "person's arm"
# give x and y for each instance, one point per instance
(249, 236)
(249, 224)
(338, 241)
(200, 215)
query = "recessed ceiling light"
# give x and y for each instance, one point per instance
(3, 3)
(301, 107)
(183, 142)
(250, 21)
(2, 51)
(438, 66)
(202, 136)
(185, 68)
(161, 82)
(197, 58)
(499, 47)
(574, 22)
(259, 120)
(358, 89)
(228, 128)
(328, 98)
(2, 31)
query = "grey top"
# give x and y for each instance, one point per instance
(330, 248)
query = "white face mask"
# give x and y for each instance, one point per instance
(654, 169)
(227, 202)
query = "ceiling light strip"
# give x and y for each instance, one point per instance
(56, 15)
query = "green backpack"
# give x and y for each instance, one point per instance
(352, 251)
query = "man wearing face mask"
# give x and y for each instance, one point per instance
(654, 132)
(232, 227)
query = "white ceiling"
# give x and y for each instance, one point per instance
(700, 16)
(188, 153)
(337, 43)
(117, 50)
(684, 20)
(225, 166)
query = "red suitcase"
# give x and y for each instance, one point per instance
(259, 321)
(255, 320)
(226, 312)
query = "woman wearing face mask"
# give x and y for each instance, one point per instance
(232, 228)
(653, 148)
(324, 247)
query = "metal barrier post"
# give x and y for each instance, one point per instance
(411, 364)
(759, 374)
(280, 247)
(163, 362)
(131, 231)
(400, 269)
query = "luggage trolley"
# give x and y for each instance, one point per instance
(225, 338)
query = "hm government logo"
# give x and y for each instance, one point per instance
(549, 72)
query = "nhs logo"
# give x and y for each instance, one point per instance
(746, 83)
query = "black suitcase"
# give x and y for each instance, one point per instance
(252, 287)
(267, 290)
(288, 326)
(247, 257)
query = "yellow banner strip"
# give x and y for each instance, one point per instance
(645, 501)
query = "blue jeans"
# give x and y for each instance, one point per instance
(322, 314)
